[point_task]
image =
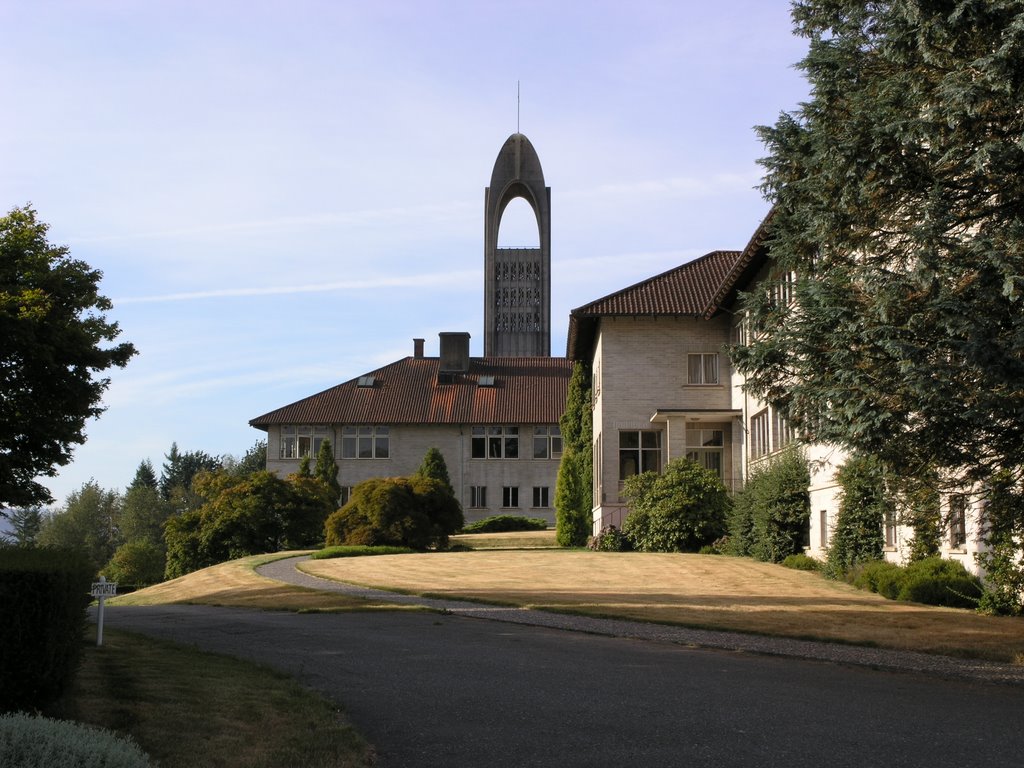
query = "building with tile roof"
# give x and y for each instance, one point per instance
(663, 388)
(494, 418)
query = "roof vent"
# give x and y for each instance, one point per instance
(366, 381)
(485, 381)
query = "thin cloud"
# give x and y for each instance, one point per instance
(448, 279)
(677, 186)
(292, 223)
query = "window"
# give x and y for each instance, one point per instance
(346, 495)
(782, 289)
(957, 521)
(304, 440)
(702, 368)
(477, 496)
(705, 446)
(510, 496)
(782, 433)
(823, 528)
(889, 526)
(365, 442)
(639, 451)
(540, 497)
(495, 443)
(759, 435)
(547, 443)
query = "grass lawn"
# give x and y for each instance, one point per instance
(236, 584)
(708, 591)
(189, 709)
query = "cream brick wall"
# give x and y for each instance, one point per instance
(408, 444)
(639, 367)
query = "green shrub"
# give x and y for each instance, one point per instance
(863, 505)
(933, 581)
(879, 576)
(801, 562)
(771, 514)
(506, 523)
(38, 742)
(938, 581)
(44, 594)
(680, 510)
(332, 552)
(611, 539)
(414, 512)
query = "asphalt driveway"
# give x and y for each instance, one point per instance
(445, 690)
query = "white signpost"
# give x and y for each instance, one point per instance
(101, 590)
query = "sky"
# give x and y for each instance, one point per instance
(281, 195)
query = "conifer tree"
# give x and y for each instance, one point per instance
(326, 471)
(574, 489)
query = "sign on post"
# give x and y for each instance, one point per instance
(101, 590)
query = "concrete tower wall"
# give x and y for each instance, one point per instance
(517, 281)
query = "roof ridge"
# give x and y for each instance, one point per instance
(686, 266)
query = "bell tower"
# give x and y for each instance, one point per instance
(517, 281)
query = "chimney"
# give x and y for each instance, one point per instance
(417, 348)
(454, 352)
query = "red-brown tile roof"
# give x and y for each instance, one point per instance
(526, 390)
(689, 289)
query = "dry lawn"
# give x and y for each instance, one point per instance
(236, 584)
(694, 590)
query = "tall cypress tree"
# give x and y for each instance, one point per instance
(574, 490)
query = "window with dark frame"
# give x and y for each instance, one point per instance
(957, 521)
(510, 496)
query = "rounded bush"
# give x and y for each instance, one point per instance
(801, 562)
(680, 510)
(879, 576)
(611, 539)
(39, 742)
(938, 581)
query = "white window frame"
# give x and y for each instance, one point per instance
(547, 442)
(300, 440)
(494, 442)
(707, 448)
(478, 496)
(759, 435)
(702, 369)
(365, 441)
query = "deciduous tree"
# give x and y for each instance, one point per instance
(54, 338)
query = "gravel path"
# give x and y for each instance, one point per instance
(972, 669)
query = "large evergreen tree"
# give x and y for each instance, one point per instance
(53, 332)
(897, 194)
